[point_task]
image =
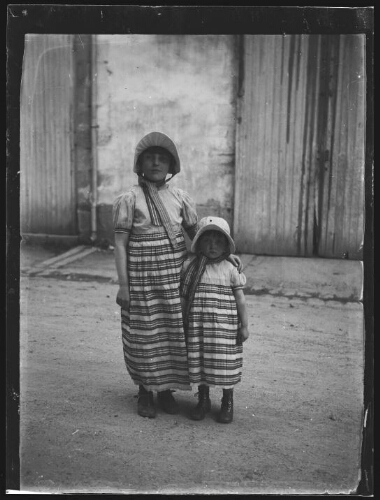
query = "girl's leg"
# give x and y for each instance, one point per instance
(227, 409)
(145, 404)
(204, 403)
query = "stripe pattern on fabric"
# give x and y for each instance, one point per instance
(213, 356)
(157, 210)
(153, 212)
(152, 330)
(190, 280)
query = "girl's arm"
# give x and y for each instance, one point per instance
(121, 244)
(235, 261)
(242, 313)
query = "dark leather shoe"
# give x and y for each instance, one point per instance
(145, 405)
(203, 407)
(167, 402)
(204, 403)
(227, 409)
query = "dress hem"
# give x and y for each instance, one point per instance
(164, 387)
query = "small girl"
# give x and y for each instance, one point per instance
(215, 316)
(149, 253)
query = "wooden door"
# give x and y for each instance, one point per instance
(300, 146)
(47, 194)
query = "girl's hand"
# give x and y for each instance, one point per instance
(122, 298)
(234, 259)
(242, 335)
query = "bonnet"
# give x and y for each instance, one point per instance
(161, 140)
(213, 224)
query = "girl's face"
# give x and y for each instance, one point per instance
(155, 164)
(213, 244)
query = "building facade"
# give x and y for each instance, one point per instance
(270, 131)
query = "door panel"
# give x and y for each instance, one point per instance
(300, 146)
(47, 180)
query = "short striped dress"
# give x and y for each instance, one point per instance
(152, 330)
(213, 356)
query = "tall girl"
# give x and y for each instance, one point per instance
(149, 252)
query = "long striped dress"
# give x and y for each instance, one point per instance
(152, 330)
(213, 356)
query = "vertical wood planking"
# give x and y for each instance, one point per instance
(300, 146)
(48, 191)
(281, 91)
(347, 162)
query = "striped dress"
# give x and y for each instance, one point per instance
(152, 330)
(213, 356)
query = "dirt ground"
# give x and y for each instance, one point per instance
(297, 417)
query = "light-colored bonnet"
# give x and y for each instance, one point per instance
(161, 140)
(211, 223)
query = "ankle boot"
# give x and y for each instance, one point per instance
(227, 409)
(145, 404)
(167, 402)
(204, 403)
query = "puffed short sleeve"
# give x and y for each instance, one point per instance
(122, 212)
(238, 280)
(189, 214)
